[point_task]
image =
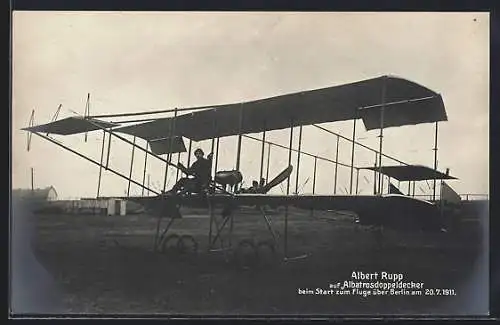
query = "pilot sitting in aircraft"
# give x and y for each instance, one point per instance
(253, 189)
(200, 170)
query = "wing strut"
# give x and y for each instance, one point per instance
(288, 193)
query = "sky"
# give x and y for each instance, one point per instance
(143, 61)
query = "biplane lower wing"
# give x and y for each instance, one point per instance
(393, 211)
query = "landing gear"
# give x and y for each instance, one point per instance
(250, 254)
(247, 253)
(266, 251)
(187, 245)
(179, 244)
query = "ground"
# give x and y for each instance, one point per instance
(106, 264)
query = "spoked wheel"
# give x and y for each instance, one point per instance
(266, 251)
(186, 244)
(245, 255)
(170, 243)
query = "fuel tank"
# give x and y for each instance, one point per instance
(228, 177)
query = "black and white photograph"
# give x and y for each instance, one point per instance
(253, 163)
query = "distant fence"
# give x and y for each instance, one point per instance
(464, 197)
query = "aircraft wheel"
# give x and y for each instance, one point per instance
(245, 254)
(187, 244)
(170, 243)
(266, 251)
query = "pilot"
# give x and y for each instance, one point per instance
(200, 171)
(252, 189)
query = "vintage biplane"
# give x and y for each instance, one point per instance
(380, 103)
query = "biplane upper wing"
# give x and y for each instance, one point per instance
(71, 125)
(406, 103)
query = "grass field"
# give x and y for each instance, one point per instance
(106, 264)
